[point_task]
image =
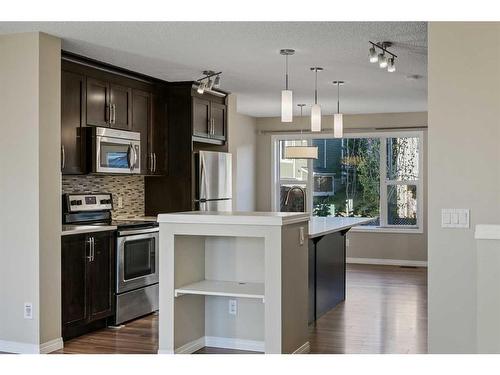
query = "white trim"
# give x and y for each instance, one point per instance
(218, 342)
(487, 232)
(387, 262)
(383, 135)
(303, 349)
(51, 346)
(233, 343)
(24, 348)
(189, 348)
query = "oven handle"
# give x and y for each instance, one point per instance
(137, 231)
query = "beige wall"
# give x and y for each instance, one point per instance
(464, 158)
(393, 246)
(242, 145)
(30, 187)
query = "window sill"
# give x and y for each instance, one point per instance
(369, 229)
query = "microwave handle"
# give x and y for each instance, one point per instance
(135, 157)
(129, 156)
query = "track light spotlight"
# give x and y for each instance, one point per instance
(382, 60)
(373, 55)
(391, 67)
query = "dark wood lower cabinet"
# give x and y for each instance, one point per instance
(87, 276)
(327, 265)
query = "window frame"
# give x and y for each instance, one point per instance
(384, 181)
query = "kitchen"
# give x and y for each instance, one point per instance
(135, 152)
(194, 211)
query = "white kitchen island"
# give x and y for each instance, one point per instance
(210, 261)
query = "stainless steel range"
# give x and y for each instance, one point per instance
(137, 276)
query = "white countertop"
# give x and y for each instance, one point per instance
(319, 226)
(234, 217)
(80, 229)
(487, 232)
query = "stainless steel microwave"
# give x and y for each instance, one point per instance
(115, 151)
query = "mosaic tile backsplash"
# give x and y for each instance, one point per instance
(130, 188)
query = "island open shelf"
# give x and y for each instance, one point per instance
(223, 288)
(234, 280)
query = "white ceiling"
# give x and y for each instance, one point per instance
(248, 55)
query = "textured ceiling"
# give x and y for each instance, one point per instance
(248, 55)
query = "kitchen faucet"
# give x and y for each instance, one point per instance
(303, 196)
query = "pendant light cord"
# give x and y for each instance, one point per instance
(338, 97)
(316, 88)
(286, 72)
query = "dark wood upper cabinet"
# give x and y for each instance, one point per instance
(98, 110)
(87, 280)
(209, 119)
(201, 117)
(157, 134)
(219, 120)
(120, 100)
(72, 120)
(141, 119)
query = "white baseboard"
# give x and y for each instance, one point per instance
(217, 342)
(303, 349)
(191, 346)
(232, 343)
(24, 348)
(387, 262)
(51, 346)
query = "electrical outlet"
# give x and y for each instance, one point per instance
(28, 310)
(120, 202)
(233, 307)
(301, 235)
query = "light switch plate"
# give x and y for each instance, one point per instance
(455, 218)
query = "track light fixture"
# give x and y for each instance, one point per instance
(383, 60)
(286, 95)
(210, 80)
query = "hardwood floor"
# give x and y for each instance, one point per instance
(385, 312)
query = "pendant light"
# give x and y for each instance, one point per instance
(338, 118)
(286, 95)
(316, 109)
(301, 152)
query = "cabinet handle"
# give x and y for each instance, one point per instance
(63, 157)
(93, 249)
(113, 113)
(154, 162)
(108, 114)
(89, 257)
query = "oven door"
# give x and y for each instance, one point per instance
(137, 261)
(115, 155)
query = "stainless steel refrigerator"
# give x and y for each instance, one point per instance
(214, 181)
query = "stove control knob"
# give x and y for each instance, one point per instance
(105, 201)
(76, 203)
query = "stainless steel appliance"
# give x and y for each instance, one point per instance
(214, 181)
(137, 275)
(115, 151)
(137, 247)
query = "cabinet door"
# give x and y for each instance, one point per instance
(121, 113)
(102, 276)
(72, 104)
(157, 134)
(201, 117)
(74, 286)
(219, 119)
(97, 102)
(141, 118)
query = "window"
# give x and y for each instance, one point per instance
(371, 175)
